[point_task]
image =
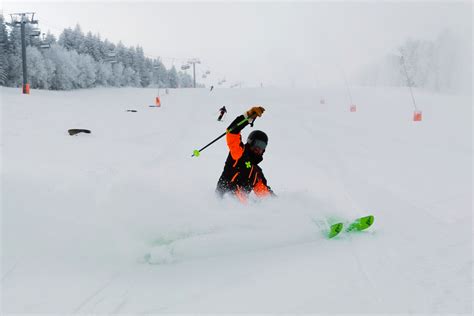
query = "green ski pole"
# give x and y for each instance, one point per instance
(196, 152)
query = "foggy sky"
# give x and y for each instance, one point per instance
(276, 43)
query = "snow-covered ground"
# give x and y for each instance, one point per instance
(123, 220)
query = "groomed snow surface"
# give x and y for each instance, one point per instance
(123, 220)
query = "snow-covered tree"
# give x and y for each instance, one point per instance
(50, 38)
(130, 77)
(92, 46)
(66, 39)
(76, 61)
(117, 75)
(443, 64)
(3, 52)
(86, 66)
(103, 73)
(13, 50)
(39, 73)
(147, 72)
(418, 59)
(66, 71)
(173, 78)
(160, 75)
(185, 80)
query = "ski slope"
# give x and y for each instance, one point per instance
(123, 220)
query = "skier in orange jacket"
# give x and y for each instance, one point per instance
(241, 172)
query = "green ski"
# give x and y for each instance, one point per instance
(335, 229)
(358, 224)
(361, 223)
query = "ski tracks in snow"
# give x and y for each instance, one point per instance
(94, 294)
(8, 273)
(112, 295)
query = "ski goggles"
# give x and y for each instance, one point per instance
(259, 144)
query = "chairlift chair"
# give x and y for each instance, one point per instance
(35, 32)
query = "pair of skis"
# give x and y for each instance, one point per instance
(359, 224)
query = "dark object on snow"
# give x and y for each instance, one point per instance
(131, 110)
(75, 131)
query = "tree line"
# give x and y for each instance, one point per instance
(76, 60)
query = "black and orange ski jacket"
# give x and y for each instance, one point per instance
(241, 172)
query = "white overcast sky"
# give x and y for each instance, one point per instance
(277, 43)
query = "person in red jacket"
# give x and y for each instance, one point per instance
(241, 174)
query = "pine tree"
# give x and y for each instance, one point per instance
(13, 48)
(38, 76)
(66, 39)
(185, 80)
(66, 71)
(160, 76)
(50, 38)
(103, 73)
(173, 78)
(3, 52)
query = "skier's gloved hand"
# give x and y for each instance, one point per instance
(254, 112)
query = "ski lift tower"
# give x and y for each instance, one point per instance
(193, 62)
(22, 19)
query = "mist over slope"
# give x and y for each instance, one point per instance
(123, 220)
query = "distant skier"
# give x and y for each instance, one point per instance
(212, 87)
(222, 111)
(241, 172)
